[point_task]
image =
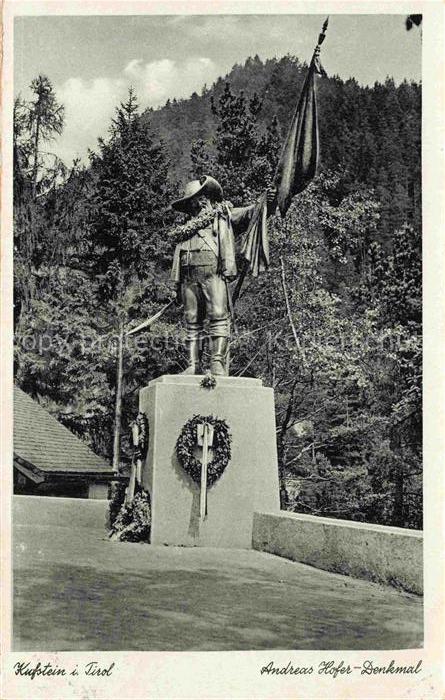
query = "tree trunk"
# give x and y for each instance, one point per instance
(288, 309)
(36, 154)
(118, 408)
(282, 451)
(398, 515)
(399, 475)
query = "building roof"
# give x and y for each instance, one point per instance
(41, 441)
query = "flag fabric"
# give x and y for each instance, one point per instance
(255, 245)
(299, 157)
(255, 248)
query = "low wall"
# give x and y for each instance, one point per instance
(389, 555)
(64, 512)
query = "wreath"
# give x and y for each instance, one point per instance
(187, 442)
(184, 232)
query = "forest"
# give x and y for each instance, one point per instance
(335, 324)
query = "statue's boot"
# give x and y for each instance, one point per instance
(218, 356)
(193, 357)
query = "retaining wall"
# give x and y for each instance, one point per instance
(64, 512)
(390, 555)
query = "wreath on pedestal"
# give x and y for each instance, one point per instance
(186, 444)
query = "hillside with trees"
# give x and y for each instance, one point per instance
(370, 134)
(334, 326)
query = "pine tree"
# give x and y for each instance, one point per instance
(129, 202)
(128, 217)
(92, 247)
(35, 122)
(245, 158)
(202, 160)
(45, 120)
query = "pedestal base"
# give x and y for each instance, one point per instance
(250, 480)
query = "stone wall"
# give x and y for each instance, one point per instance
(63, 512)
(389, 555)
(378, 553)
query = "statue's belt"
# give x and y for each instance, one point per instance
(197, 257)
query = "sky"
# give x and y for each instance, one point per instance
(92, 60)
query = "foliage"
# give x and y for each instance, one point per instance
(349, 359)
(243, 159)
(74, 282)
(37, 121)
(92, 250)
(350, 367)
(128, 202)
(37, 176)
(371, 135)
(116, 501)
(133, 522)
(208, 381)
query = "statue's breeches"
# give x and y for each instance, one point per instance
(204, 296)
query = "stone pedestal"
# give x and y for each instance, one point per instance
(250, 480)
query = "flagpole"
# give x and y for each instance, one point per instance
(322, 35)
(118, 403)
(294, 147)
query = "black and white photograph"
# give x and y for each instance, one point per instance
(216, 435)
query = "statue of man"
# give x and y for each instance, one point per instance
(204, 264)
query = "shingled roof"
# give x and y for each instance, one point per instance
(44, 443)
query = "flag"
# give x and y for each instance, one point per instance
(255, 248)
(255, 245)
(296, 168)
(299, 157)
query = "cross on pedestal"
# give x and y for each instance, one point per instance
(204, 434)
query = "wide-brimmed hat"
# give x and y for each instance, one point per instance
(205, 185)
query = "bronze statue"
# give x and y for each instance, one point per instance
(204, 260)
(204, 264)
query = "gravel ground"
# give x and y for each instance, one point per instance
(76, 590)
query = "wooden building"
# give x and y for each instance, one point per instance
(49, 460)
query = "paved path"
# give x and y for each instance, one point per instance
(76, 590)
